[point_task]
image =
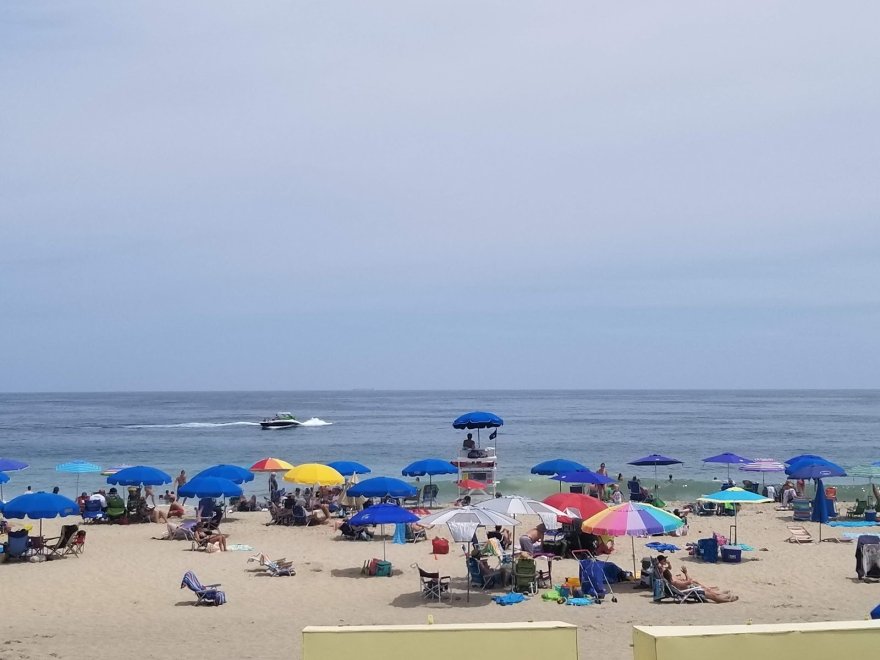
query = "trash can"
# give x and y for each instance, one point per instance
(731, 554)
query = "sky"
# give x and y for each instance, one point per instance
(233, 195)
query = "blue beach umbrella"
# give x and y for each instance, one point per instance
(233, 473)
(811, 468)
(429, 467)
(348, 468)
(383, 514)
(584, 476)
(201, 486)
(382, 487)
(800, 457)
(78, 468)
(10, 465)
(40, 505)
(728, 459)
(557, 466)
(139, 475)
(655, 460)
(479, 420)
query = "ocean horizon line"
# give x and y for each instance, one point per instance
(625, 390)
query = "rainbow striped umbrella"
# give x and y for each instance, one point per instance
(271, 465)
(632, 519)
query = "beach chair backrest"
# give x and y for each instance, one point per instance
(474, 574)
(191, 582)
(17, 543)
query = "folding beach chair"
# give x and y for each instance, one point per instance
(58, 546)
(17, 544)
(798, 534)
(802, 509)
(205, 594)
(858, 510)
(275, 568)
(432, 584)
(868, 557)
(413, 535)
(92, 511)
(77, 545)
(525, 576)
(476, 577)
(681, 596)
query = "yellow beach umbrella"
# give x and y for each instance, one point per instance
(314, 473)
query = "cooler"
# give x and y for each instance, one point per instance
(731, 554)
(707, 549)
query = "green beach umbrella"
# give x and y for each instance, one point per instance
(734, 496)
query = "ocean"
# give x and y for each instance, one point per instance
(387, 430)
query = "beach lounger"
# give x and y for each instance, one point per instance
(205, 594)
(181, 532)
(432, 584)
(276, 567)
(279, 515)
(301, 517)
(798, 534)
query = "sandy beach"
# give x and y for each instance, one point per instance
(121, 597)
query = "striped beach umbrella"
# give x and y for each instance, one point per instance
(271, 465)
(632, 519)
(763, 465)
(78, 468)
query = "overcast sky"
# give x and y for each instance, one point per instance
(323, 195)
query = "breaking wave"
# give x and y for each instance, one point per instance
(315, 421)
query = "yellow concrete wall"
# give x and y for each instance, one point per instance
(545, 639)
(784, 641)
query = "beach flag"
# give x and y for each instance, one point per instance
(493, 435)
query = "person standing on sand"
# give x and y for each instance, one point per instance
(273, 488)
(181, 479)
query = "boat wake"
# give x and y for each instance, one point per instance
(191, 425)
(315, 421)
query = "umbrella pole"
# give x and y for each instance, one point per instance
(633, 542)
(382, 529)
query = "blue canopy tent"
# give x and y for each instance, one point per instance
(348, 468)
(728, 459)
(383, 514)
(479, 419)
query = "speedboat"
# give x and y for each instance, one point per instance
(282, 420)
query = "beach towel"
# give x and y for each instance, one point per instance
(509, 599)
(239, 547)
(662, 547)
(742, 546)
(399, 534)
(579, 602)
(851, 523)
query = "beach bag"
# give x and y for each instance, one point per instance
(440, 546)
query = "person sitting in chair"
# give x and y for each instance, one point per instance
(683, 581)
(502, 535)
(468, 442)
